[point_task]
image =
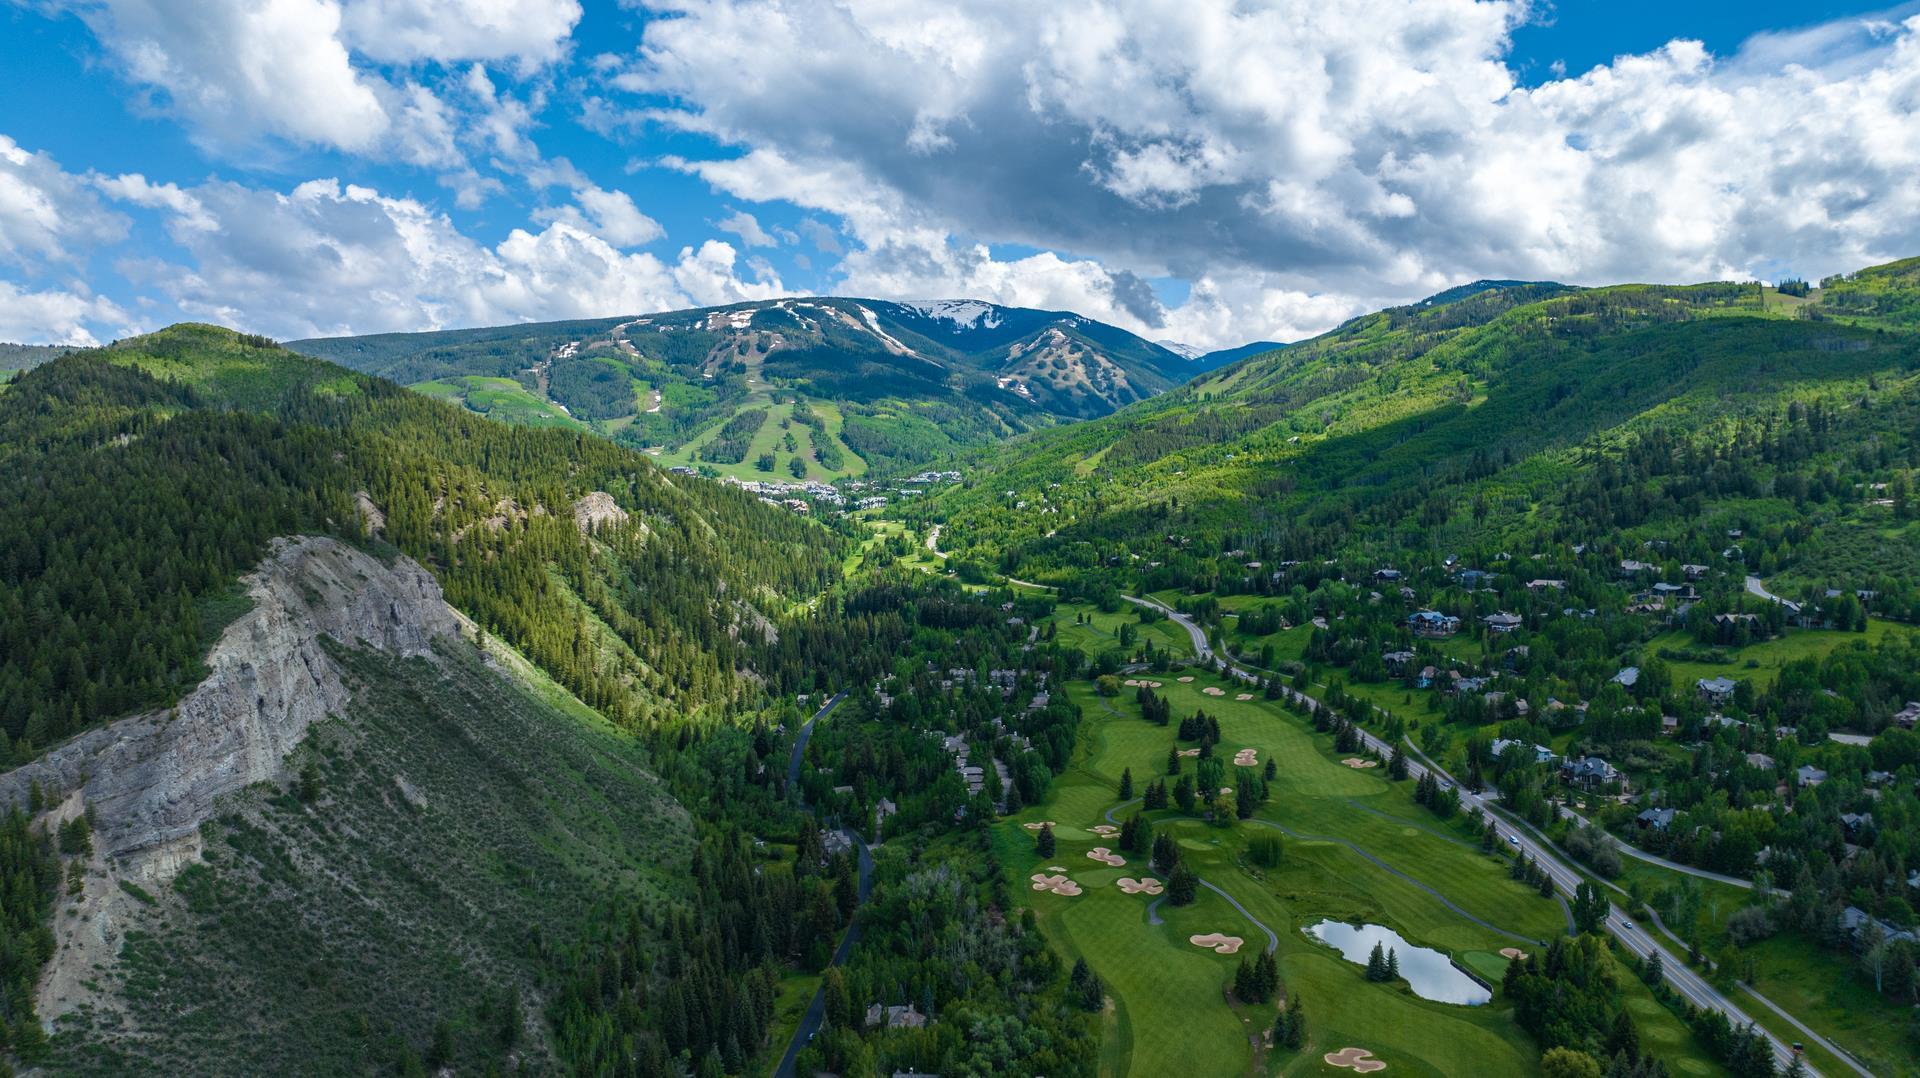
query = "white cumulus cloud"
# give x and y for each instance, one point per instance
(330, 258)
(1293, 163)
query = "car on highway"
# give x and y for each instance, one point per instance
(1513, 839)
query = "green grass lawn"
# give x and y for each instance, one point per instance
(499, 398)
(1761, 662)
(1170, 1012)
(1100, 631)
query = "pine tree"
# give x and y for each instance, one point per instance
(1377, 964)
(1166, 853)
(1173, 761)
(1043, 842)
(1393, 965)
(1296, 1022)
(1126, 784)
(1182, 886)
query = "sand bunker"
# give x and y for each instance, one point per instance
(1214, 690)
(1105, 830)
(1243, 697)
(1359, 1059)
(1038, 824)
(1189, 752)
(1187, 679)
(1059, 885)
(1148, 886)
(1246, 758)
(1220, 944)
(1226, 791)
(1512, 952)
(1140, 683)
(1357, 763)
(1106, 857)
(1056, 868)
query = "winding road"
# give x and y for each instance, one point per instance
(1632, 936)
(817, 1009)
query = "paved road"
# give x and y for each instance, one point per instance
(1756, 587)
(1633, 937)
(1207, 653)
(806, 735)
(817, 1009)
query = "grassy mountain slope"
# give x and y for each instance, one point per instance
(875, 384)
(1455, 424)
(449, 831)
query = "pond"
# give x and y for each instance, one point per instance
(1430, 973)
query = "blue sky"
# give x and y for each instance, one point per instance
(1209, 173)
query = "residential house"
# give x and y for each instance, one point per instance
(1655, 819)
(1694, 572)
(1432, 624)
(1546, 585)
(1717, 691)
(1856, 822)
(1854, 921)
(1630, 567)
(1396, 661)
(896, 1017)
(1908, 716)
(1502, 622)
(1388, 575)
(1669, 725)
(1541, 754)
(1475, 578)
(1627, 678)
(1760, 760)
(1589, 771)
(1809, 775)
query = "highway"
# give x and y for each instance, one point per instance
(1631, 935)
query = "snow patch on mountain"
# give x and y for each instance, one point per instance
(963, 313)
(1184, 351)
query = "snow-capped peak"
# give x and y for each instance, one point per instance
(1184, 351)
(963, 313)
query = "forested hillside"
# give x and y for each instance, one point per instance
(142, 479)
(816, 388)
(1493, 420)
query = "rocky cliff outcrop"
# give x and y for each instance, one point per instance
(596, 509)
(151, 780)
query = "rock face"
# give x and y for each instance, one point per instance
(151, 780)
(596, 509)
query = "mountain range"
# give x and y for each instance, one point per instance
(813, 387)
